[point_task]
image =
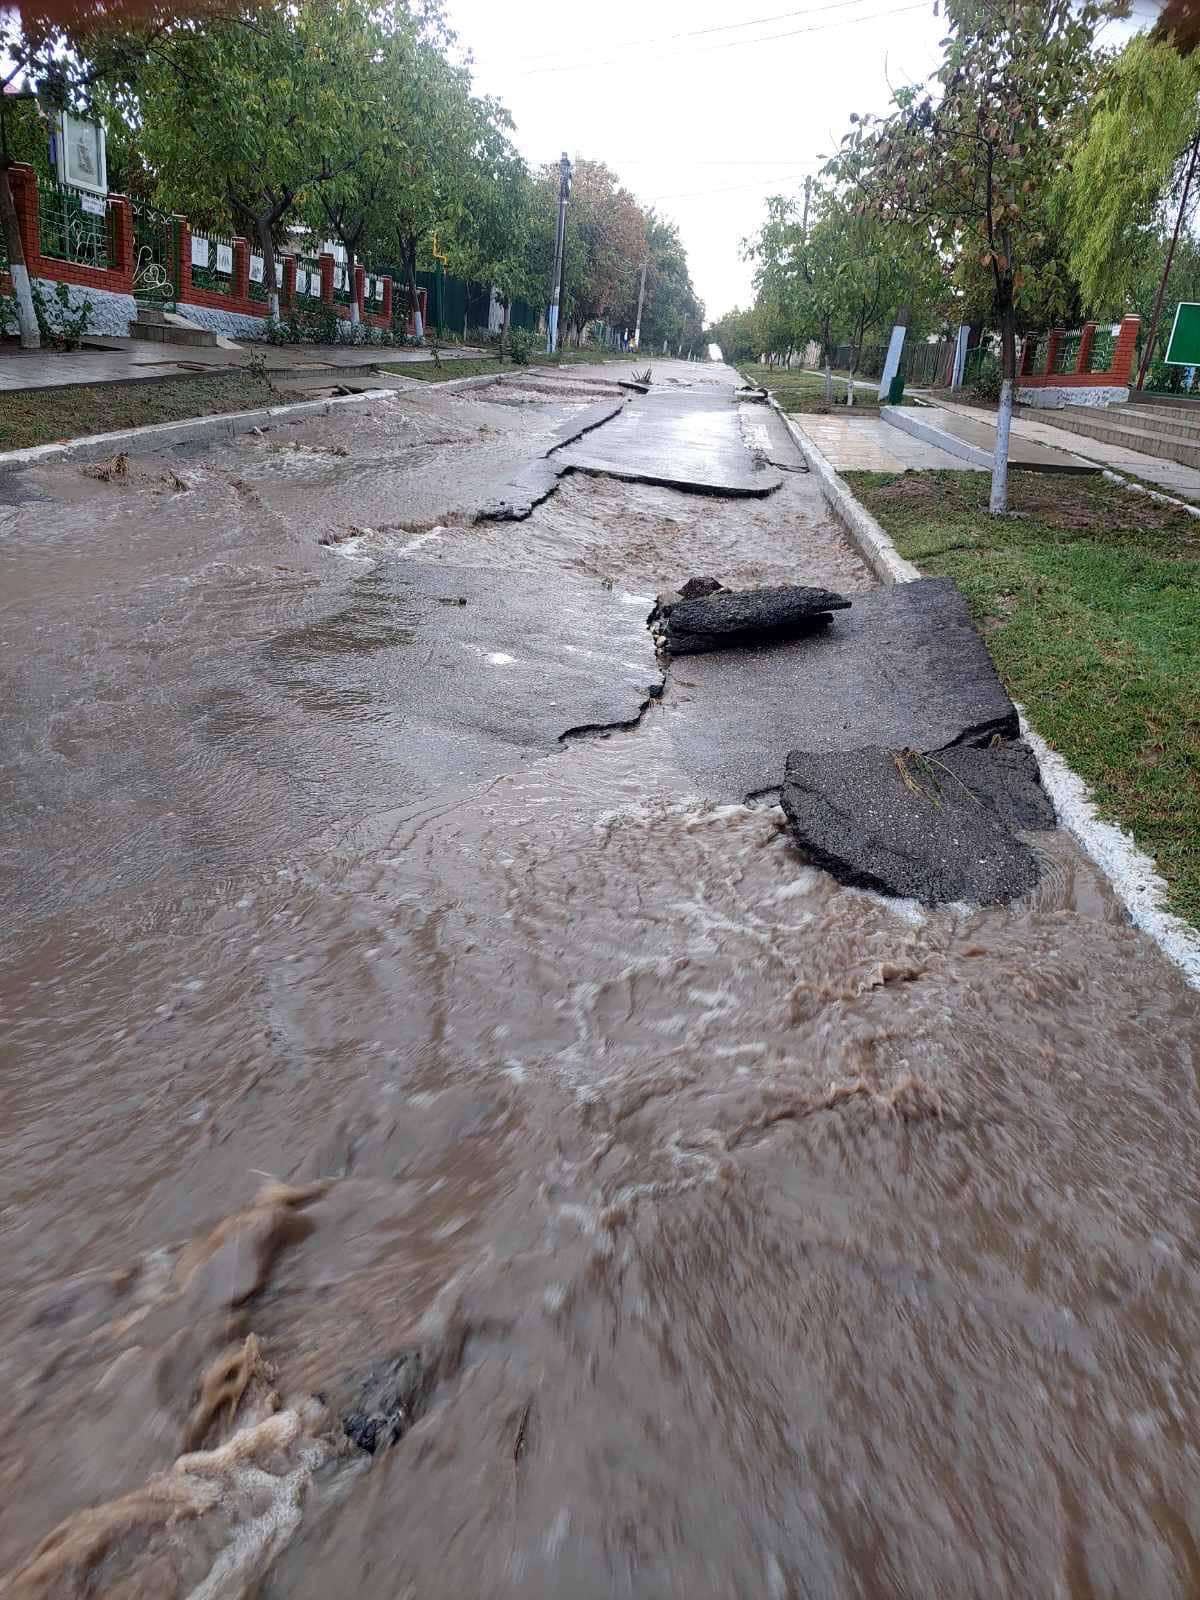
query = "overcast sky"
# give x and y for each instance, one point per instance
(702, 124)
(700, 110)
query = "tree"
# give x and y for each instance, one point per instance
(969, 165)
(245, 119)
(493, 241)
(424, 186)
(1133, 162)
(605, 241)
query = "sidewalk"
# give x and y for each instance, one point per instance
(1169, 476)
(114, 360)
(865, 444)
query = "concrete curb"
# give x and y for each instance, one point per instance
(866, 535)
(931, 434)
(1155, 494)
(191, 430)
(1132, 873)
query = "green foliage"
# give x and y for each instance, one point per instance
(985, 385)
(62, 326)
(521, 344)
(1125, 169)
(967, 165)
(1163, 379)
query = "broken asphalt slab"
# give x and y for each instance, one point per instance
(904, 668)
(718, 621)
(688, 439)
(467, 667)
(932, 827)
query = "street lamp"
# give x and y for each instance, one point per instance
(560, 233)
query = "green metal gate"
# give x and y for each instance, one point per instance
(155, 256)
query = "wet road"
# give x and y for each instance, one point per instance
(746, 1235)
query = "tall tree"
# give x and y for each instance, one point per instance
(969, 164)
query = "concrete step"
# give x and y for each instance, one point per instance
(1150, 418)
(1128, 435)
(1178, 404)
(151, 316)
(174, 332)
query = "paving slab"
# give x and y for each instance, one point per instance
(903, 668)
(864, 444)
(974, 439)
(1170, 476)
(682, 438)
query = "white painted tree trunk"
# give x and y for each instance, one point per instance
(998, 504)
(828, 382)
(27, 323)
(275, 304)
(353, 308)
(850, 387)
(418, 325)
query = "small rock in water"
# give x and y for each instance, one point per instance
(699, 588)
(729, 618)
(388, 1402)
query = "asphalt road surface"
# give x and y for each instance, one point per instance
(454, 1143)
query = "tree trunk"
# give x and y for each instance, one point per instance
(262, 226)
(27, 322)
(409, 252)
(998, 503)
(354, 317)
(850, 376)
(504, 326)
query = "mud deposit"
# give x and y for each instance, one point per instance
(670, 1220)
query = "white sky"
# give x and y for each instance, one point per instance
(714, 121)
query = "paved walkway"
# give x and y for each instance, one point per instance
(866, 444)
(105, 360)
(1169, 476)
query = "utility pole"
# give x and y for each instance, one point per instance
(560, 238)
(637, 332)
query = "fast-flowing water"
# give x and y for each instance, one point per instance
(701, 1227)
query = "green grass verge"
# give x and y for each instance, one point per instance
(1089, 599)
(804, 392)
(43, 416)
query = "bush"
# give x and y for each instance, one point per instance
(985, 385)
(1162, 379)
(521, 344)
(61, 325)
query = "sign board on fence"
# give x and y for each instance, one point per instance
(256, 269)
(199, 250)
(1183, 348)
(79, 153)
(224, 258)
(94, 204)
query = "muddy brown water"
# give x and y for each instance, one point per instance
(757, 1237)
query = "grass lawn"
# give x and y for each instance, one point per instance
(1089, 598)
(42, 416)
(805, 392)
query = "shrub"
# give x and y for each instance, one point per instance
(1162, 379)
(521, 344)
(985, 385)
(61, 325)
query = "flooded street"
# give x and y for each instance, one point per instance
(403, 1045)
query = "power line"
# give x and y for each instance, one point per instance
(727, 27)
(728, 44)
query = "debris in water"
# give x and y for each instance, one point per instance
(723, 619)
(389, 1400)
(114, 470)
